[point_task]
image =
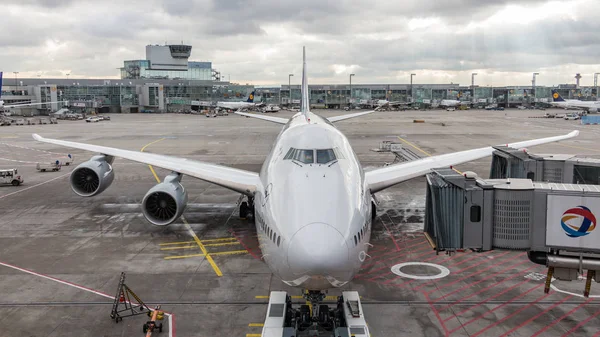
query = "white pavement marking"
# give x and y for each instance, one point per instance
(36, 185)
(443, 271)
(99, 293)
(19, 161)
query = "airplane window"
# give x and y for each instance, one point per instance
(355, 241)
(338, 153)
(325, 156)
(289, 154)
(362, 233)
(278, 240)
(274, 238)
(304, 156)
(359, 237)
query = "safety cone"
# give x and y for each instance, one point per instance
(122, 298)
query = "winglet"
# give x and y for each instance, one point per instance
(574, 133)
(304, 103)
(37, 137)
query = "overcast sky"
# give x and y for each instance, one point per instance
(260, 42)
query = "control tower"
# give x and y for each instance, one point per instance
(169, 57)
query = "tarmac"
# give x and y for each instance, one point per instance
(61, 255)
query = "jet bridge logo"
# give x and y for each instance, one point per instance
(578, 221)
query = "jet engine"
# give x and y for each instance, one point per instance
(165, 202)
(93, 176)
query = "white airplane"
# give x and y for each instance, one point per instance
(312, 202)
(19, 105)
(449, 103)
(249, 103)
(558, 101)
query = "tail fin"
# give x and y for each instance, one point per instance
(250, 97)
(556, 96)
(304, 103)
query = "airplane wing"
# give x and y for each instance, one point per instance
(29, 104)
(348, 116)
(385, 177)
(277, 120)
(245, 182)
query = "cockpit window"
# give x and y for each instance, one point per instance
(307, 156)
(325, 156)
(304, 156)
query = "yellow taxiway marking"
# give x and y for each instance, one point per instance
(176, 243)
(187, 242)
(423, 151)
(416, 147)
(579, 147)
(187, 225)
(233, 252)
(256, 324)
(253, 335)
(184, 247)
(202, 248)
(150, 166)
(221, 244)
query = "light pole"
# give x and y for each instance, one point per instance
(16, 83)
(290, 87)
(411, 86)
(473, 87)
(351, 88)
(533, 86)
(596, 83)
(68, 75)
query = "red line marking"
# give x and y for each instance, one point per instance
(402, 257)
(536, 316)
(484, 301)
(472, 266)
(390, 233)
(514, 313)
(498, 307)
(244, 245)
(452, 265)
(487, 288)
(483, 279)
(437, 314)
(597, 334)
(561, 318)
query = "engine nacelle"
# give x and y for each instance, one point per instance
(93, 176)
(165, 202)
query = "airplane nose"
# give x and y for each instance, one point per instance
(317, 248)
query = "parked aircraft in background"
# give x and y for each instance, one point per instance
(558, 101)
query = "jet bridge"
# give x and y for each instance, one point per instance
(556, 223)
(508, 162)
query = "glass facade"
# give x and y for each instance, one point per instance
(137, 69)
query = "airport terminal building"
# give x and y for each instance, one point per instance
(166, 81)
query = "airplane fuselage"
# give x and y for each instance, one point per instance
(313, 212)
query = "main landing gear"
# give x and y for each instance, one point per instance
(247, 209)
(341, 318)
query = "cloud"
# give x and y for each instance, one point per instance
(260, 42)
